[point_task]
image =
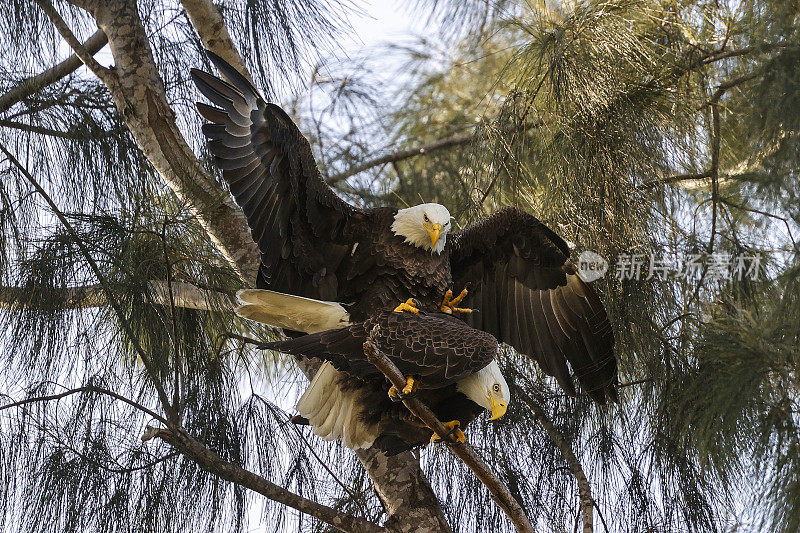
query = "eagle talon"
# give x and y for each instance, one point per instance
(411, 305)
(455, 429)
(449, 304)
(410, 388)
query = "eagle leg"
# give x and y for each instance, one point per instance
(449, 304)
(410, 388)
(411, 305)
(455, 429)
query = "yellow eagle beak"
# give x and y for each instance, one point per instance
(498, 408)
(434, 231)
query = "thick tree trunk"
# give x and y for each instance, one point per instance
(405, 492)
(140, 97)
(138, 92)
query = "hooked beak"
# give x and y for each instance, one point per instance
(498, 408)
(434, 231)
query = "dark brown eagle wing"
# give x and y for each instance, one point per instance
(301, 227)
(528, 295)
(439, 350)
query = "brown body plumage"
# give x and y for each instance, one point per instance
(437, 349)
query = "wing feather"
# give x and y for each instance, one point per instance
(528, 295)
(300, 225)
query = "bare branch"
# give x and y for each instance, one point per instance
(584, 489)
(211, 462)
(674, 179)
(83, 54)
(29, 86)
(424, 149)
(497, 488)
(88, 388)
(73, 136)
(138, 92)
(210, 26)
(185, 295)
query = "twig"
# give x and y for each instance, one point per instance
(29, 86)
(759, 212)
(584, 489)
(674, 179)
(502, 496)
(87, 388)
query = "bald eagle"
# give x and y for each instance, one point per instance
(333, 270)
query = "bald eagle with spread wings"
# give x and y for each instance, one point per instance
(340, 274)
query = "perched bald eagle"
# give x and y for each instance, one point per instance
(450, 366)
(327, 265)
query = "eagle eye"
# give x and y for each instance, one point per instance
(426, 218)
(496, 387)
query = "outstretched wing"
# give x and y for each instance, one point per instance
(439, 350)
(301, 227)
(528, 295)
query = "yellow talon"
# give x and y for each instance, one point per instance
(410, 388)
(449, 303)
(454, 427)
(409, 305)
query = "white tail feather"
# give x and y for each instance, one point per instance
(290, 312)
(335, 414)
(332, 413)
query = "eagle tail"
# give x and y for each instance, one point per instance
(290, 312)
(334, 413)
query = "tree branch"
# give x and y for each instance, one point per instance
(185, 295)
(29, 86)
(88, 388)
(584, 489)
(82, 53)
(423, 149)
(210, 26)
(497, 488)
(211, 462)
(138, 92)
(73, 136)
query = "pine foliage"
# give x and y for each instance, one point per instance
(629, 126)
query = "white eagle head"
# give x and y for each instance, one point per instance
(424, 226)
(488, 388)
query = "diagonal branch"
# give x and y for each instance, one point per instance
(496, 487)
(29, 86)
(423, 149)
(394, 157)
(211, 462)
(138, 92)
(82, 53)
(584, 489)
(213, 33)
